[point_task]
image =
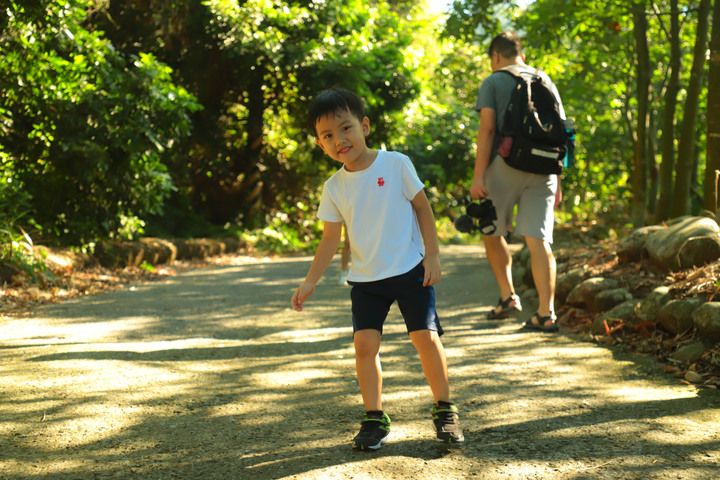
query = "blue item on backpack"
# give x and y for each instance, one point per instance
(569, 159)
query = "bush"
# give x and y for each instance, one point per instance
(87, 132)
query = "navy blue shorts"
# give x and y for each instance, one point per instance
(371, 302)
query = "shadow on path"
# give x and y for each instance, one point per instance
(211, 375)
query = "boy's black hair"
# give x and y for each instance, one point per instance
(507, 44)
(334, 100)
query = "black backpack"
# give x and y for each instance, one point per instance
(532, 121)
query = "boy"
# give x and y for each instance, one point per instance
(382, 202)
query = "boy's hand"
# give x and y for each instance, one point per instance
(433, 271)
(301, 294)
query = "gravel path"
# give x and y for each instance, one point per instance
(211, 375)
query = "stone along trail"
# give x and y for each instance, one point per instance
(211, 375)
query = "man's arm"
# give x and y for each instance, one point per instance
(428, 230)
(558, 192)
(485, 137)
(324, 254)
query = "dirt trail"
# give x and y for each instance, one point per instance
(211, 375)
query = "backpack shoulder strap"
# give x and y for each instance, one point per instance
(520, 71)
(502, 70)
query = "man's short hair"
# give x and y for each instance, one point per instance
(334, 100)
(507, 44)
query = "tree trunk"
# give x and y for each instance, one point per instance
(639, 167)
(252, 184)
(667, 165)
(713, 124)
(686, 147)
(652, 164)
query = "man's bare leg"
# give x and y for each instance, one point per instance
(500, 260)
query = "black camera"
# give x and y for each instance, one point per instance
(479, 217)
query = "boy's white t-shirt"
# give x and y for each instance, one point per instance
(381, 224)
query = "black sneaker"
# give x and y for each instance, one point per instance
(447, 423)
(374, 431)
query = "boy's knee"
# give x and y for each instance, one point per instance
(424, 337)
(367, 342)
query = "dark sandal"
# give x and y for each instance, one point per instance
(505, 309)
(537, 323)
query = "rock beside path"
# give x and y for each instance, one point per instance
(686, 242)
(154, 251)
(653, 292)
(119, 254)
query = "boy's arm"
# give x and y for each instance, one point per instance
(323, 256)
(426, 222)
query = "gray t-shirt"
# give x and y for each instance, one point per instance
(496, 90)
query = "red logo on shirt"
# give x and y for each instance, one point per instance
(381, 182)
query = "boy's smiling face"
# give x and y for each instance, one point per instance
(341, 135)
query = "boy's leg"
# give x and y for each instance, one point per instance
(434, 364)
(369, 371)
(417, 305)
(375, 426)
(433, 361)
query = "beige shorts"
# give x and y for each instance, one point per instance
(533, 194)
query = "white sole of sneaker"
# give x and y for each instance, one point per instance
(374, 447)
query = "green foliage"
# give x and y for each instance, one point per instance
(587, 47)
(16, 245)
(124, 118)
(254, 66)
(17, 250)
(479, 20)
(147, 267)
(130, 227)
(282, 236)
(598, 67)
(87, 131)
(361, 48)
